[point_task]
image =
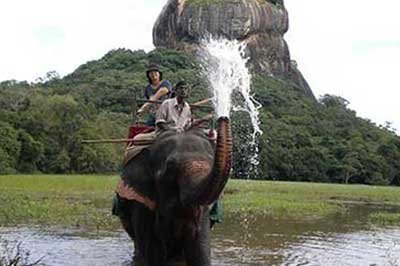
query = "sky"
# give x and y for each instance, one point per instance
(348, 48)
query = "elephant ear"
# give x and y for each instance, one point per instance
(138, 175)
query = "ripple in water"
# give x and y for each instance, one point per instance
(365, 247)
(380, 247)
(70, 248)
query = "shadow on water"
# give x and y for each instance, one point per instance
(342, 239)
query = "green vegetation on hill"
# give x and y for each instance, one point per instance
(324, 141)
(42, 124)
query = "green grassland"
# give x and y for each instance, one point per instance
(78, 200)
(85, 200)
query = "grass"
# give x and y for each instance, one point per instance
(85, 200)
(385, 218)
(79, 201)
(291, 199)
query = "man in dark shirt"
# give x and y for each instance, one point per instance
(157, 90)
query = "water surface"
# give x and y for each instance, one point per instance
(342, 239)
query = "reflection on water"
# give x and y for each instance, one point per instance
(360, 248)
(344, 239)
(375, 247)
(59, 247)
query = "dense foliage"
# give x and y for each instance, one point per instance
(42, 124)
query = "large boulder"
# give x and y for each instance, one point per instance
(260, 23)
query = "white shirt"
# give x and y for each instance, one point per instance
(176, 116)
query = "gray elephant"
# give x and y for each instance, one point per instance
(166, 190)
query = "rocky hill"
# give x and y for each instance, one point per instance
(261, 24)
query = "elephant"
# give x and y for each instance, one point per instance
(166, 190)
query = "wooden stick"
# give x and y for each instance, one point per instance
(148, 101)
(191, 105)
(96, 141)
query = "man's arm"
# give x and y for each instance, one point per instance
(161, 117)
(160, 93)
(162, 126)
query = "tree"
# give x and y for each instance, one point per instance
(9, 148)
(31, 152)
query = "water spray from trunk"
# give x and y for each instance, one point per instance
(224, 65)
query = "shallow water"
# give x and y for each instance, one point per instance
(294, 243)
(345, 239)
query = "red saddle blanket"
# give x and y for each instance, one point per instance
(135, 130)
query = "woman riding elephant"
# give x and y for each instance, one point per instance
(157, 90)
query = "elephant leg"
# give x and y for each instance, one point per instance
(197, 247)
(155, 252)
(148, 246)
(125, 215)
(175, 251)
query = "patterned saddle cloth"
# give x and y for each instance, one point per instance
(140, 142)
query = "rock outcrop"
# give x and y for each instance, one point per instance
(260, 23)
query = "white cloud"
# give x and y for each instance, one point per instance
(350, 49)
(49, 35)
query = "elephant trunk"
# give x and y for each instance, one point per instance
(222, 163)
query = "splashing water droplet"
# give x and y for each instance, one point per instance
(224, 65)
